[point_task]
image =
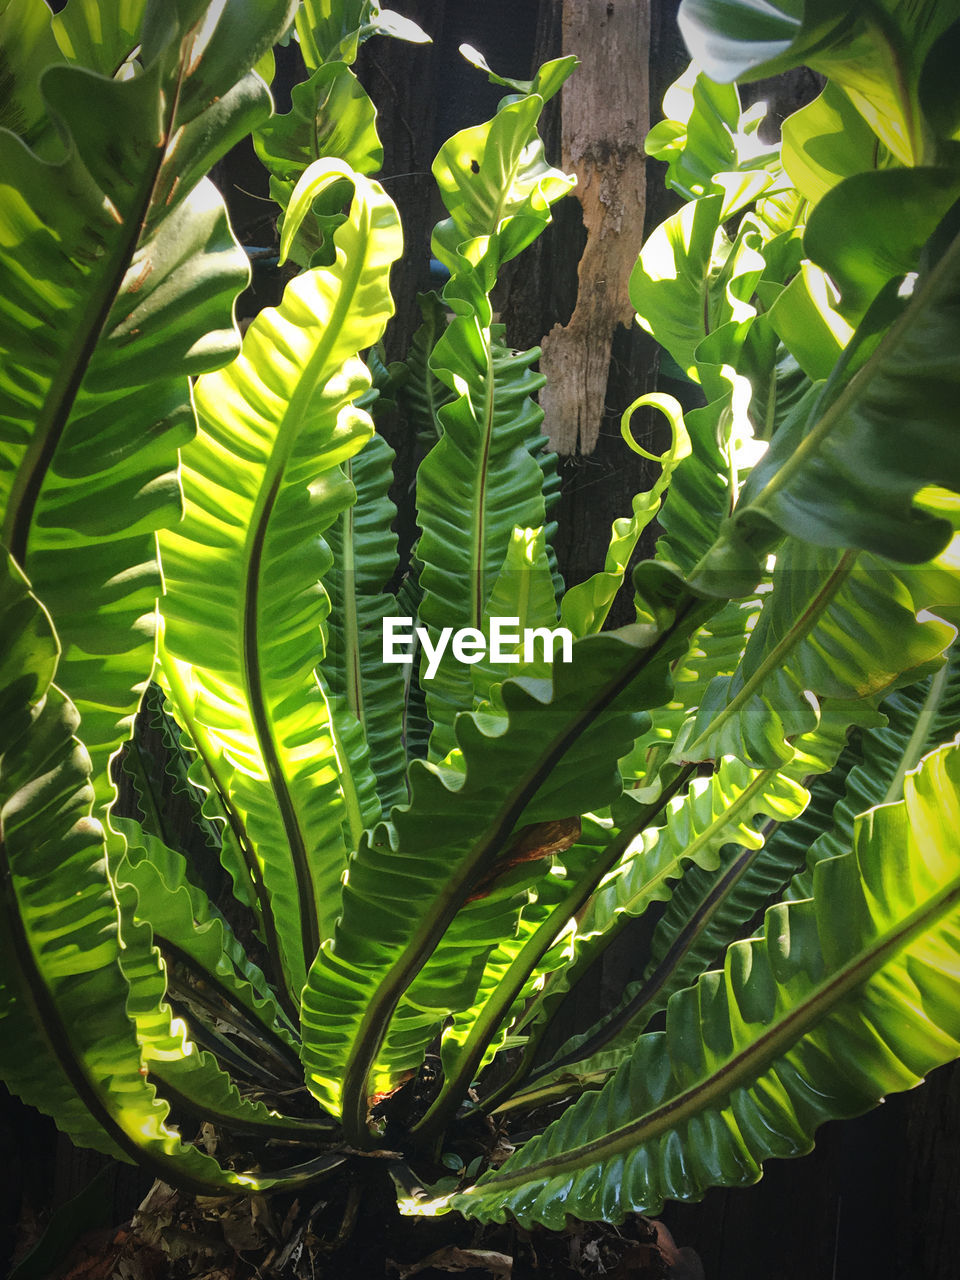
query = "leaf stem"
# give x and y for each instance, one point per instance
(380, 1008)
(918, 738)
(739, 1068)
(803, 625)
(498, 1006)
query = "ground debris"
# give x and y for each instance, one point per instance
(452, 1258)
(350, 1229)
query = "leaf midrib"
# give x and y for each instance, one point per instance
(379, 1009)
(699, 840)
(777, 656)
(50, 1025)
(930, 293)
(776, 1040)
(478, 542)
(351, 627)
(522, 966)
(61, 395)
(252, 674)
(635, 1008)
(197, 732)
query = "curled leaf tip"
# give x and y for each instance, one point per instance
(670, 407)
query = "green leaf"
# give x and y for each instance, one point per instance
(514, 971)
(708, 911)
(585, 607)
(213, 820)
(477, 483)
(330, 30)
(701, 493)
(715, 811)
(551, 752)
(846, 997)
(805, 317)
(184, 921)
(331, 117)
(422, 395)
(495, 181)
(872, 228)
(719, 887)
(59, 946)
(548, 81)
(523, 597)
(362, 686)
(919, 719)
(482, 478)
(172, 1013)
(705, 485)
(543, 947)
(868, 448)
(669, 284)
(387, 22)
(102, 37)
(416, 727)
(712, 813)
(120, 275)
(159, 767)
(875, 49)
(819, 635)
(27, 48)
(221, 39)
(827, 141)
(244, 609)
(187, 1075)
(716, 649)
(704, 134)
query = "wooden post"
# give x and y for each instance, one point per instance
(605, 117)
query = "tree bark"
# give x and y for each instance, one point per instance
(605, 117)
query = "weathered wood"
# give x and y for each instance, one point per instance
(605, 117)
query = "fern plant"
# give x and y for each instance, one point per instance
(423, 866)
